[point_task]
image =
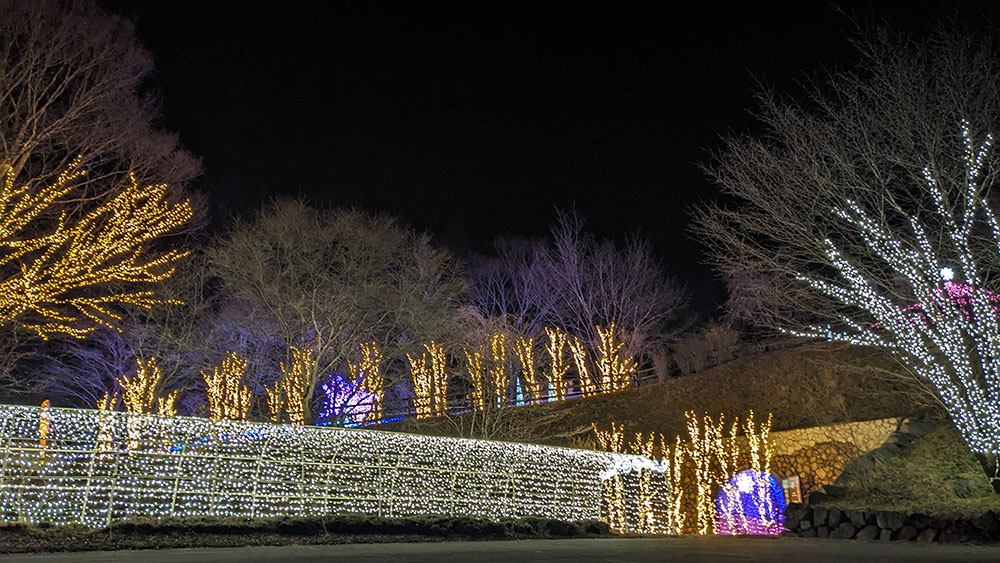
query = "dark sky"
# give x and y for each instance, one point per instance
(472, 120)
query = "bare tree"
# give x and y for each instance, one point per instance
(512, 288)
(599, 283)
(71, 85)
(327, 281)
(866, 135)
(861, 206)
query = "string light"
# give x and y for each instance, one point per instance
(228, 397)
(477, 373)
(525, 351)
(498, 369)
(139, 392)
(587, 385)
(558, 386)
(952, 337)
(369, 373)
(615, 371)
(430, 381)
(707, 463)
(295, 383)
(192, 467)
(93, 254)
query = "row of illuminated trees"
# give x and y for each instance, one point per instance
(499, 373)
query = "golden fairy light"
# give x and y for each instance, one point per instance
(587, 386)
(295, 383)
(646, 494)
(525, 351)
(558, 386)
(368, 371)
(70, 279)
(499, 377)
(613, 441)
(477, 376)
(430, 381)
(228, 397)
(615, 371)
(274, 401)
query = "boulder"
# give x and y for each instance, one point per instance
(822, 532)
(811, 533)
(856, 517)
(834, 517)
(819, 515)
(819, 497)
(919, 521)
(916, 428)
(889, 520)
(868, 533)
(901, 439)
(844, 531)
(927, 536)
(885, 535)
(795, 513)
(804, 524)
(985, 522)
(834, 491)
(906, 533)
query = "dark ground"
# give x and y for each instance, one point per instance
(619, 550)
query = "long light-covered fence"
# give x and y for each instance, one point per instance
(94, 467)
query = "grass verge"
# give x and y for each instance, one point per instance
(142, 533)
(934, 475)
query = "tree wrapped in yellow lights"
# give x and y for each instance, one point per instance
(477, 378)
(66, 271)
(499, 376)
(533, 383)
(615, 371)
(586, 382)
(430, 381)
(228, 397)
(140, 391)
(294, 387)
(556, 346)
(368, 373)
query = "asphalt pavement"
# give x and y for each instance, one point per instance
(617, 550)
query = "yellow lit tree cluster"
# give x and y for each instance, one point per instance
(228, 397)
(368, 372)
(615, 371)
(140, 392)
(556, 346)
(290, 394)
(65, 270)
(492, 377)
(695, 471)
(430, 381)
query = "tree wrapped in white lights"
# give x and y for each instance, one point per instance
(949, 333)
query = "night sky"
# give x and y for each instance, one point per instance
(471, 122)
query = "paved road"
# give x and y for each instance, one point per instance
(617, 550)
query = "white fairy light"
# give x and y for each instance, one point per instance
(951, 336)
(103, 466)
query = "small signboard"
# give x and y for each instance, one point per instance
(793, 489)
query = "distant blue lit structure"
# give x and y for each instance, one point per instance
(750, 503)
(345, 403)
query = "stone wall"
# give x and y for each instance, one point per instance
(807, 521)
(818, 454)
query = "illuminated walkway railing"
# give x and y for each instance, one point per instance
(93, 467)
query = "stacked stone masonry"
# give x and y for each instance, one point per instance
(819, 454)
(807, 521)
